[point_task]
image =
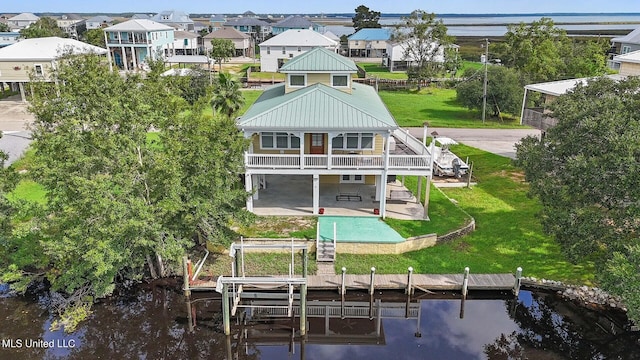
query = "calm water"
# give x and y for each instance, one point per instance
(153, 324)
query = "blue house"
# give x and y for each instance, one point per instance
(130, 43)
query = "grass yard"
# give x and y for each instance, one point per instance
(439, 107)
(250, 96)
(301, 227)
(508, 233)
(377, 70)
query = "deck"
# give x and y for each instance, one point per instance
(488, 282)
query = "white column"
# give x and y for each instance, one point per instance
(329, 149)
(427, 193)
(301, 135)
(316, 194)
(419, 189)
(22, 96)
(524, 102)
(248, 187)
(135, 60)
(378, 178)
(256, 187)
(106, 41)
(383, 180)
(124, 58)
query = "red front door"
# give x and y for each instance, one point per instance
(317, 144)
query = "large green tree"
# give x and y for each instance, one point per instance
(365, 18)
(123, 203)
(44, 27)
(4, 27)
(222, 50)
(586, 173)
(543, 52)
(504, 91)
(426, 43)
(226, 98)
(94, 37)
(7, 183)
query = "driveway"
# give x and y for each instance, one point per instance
(14, 122)
(498, 141)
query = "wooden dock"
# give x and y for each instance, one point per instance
(495, 282)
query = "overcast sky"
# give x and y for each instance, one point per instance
(324, 6)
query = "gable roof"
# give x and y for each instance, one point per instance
(331, 35)
(24, 17)
(318, 107)
(631, 38)
(299, 37)
(139, 25)
(632, 57)
(100, 19)
(246, 22)
(226, 33)
(47, 49)
(371, 34)
(178, 34)
(319, 59)
(294, 22)
(175, 16)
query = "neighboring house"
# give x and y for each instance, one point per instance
(293, 22)
(369, 43)
(199, 26)
(255, 28)
(241, 41)
(179, 18)
(99, 22)
(331, 36)
(8, 38)
(291, 43)
(131, 42)
(185, 43)
(539, 116)
(21, 21)
(72, 24)
(249, 14)
(624, 45)
(36, 57)
(323, 128)
(629, 63)
(397, 59)
(216, 22)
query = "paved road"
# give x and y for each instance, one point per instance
(14, 143)
(497, 141)
(14, 119)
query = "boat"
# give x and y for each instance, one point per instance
(445, 162)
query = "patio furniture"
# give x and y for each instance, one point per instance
(348, 194)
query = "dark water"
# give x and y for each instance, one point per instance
(154, 324)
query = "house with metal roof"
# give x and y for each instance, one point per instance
(241, 41)
(185, 43)
(131, 42)
(291, 43)
(623, 45)
(323, 130)
(21, 21)
(369, 43)
(176, 19)
(35, 58)
(99, 22)
(72, 24)
(293, 22)
(254, 27)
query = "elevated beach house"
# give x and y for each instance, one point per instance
(130, 43)
(319, 127)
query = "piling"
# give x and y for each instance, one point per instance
(185, 271)
(226, 317)
(469, 175)
(371, 284)
(465, 283)
(409, 290)
(516, 286)
(303, 309)
(305, 261)
(343, 289)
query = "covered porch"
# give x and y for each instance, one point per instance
(289, 195)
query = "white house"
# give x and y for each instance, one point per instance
(37, 57)
(291, 43)
(21, 21)
(185, 43)
(176, 19)
(99, 22)
(397, 58)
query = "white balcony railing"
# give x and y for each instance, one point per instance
(340, 161)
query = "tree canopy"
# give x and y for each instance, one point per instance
(94, 37)
(426, 43)
(222, 50)
(227, 98)
(365, 18)
(44, 27)
(504, 92)
(543, 52)
(586, 173)
(4, 27)
(121, 199)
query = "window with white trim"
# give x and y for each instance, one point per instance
(297, 80)
(279, 141)
(357, 179)
(353, 141)
(626, 49)
(340, 80)
(37, 68)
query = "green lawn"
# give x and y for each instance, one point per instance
(439, 107)
(250, 96)
(377, 70)
(508, 233)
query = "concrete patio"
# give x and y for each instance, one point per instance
(292, 195)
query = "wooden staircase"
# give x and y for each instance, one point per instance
(326, 251)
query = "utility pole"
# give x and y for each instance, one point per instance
(484, 88)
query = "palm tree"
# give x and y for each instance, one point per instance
(227, 98)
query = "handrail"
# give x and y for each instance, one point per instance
(416, 145)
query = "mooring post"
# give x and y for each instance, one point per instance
(373, 276)
(305, 261)
(409, 290)
(465, 282)
(343, 288)
(226, 317)
(189, 315)
(469, 175)
(303, 309)
(516, 286)
(185, 271)
(236, 264)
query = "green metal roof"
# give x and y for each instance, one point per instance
(318, 108)
(319, 59)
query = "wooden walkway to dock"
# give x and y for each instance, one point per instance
(398, 282)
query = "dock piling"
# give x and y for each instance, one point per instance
(343, 289)
(516, 286)
(226, 316)
(465, 283)
(373, 276)
(185, 271)
(409, 290)
(303, 309)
